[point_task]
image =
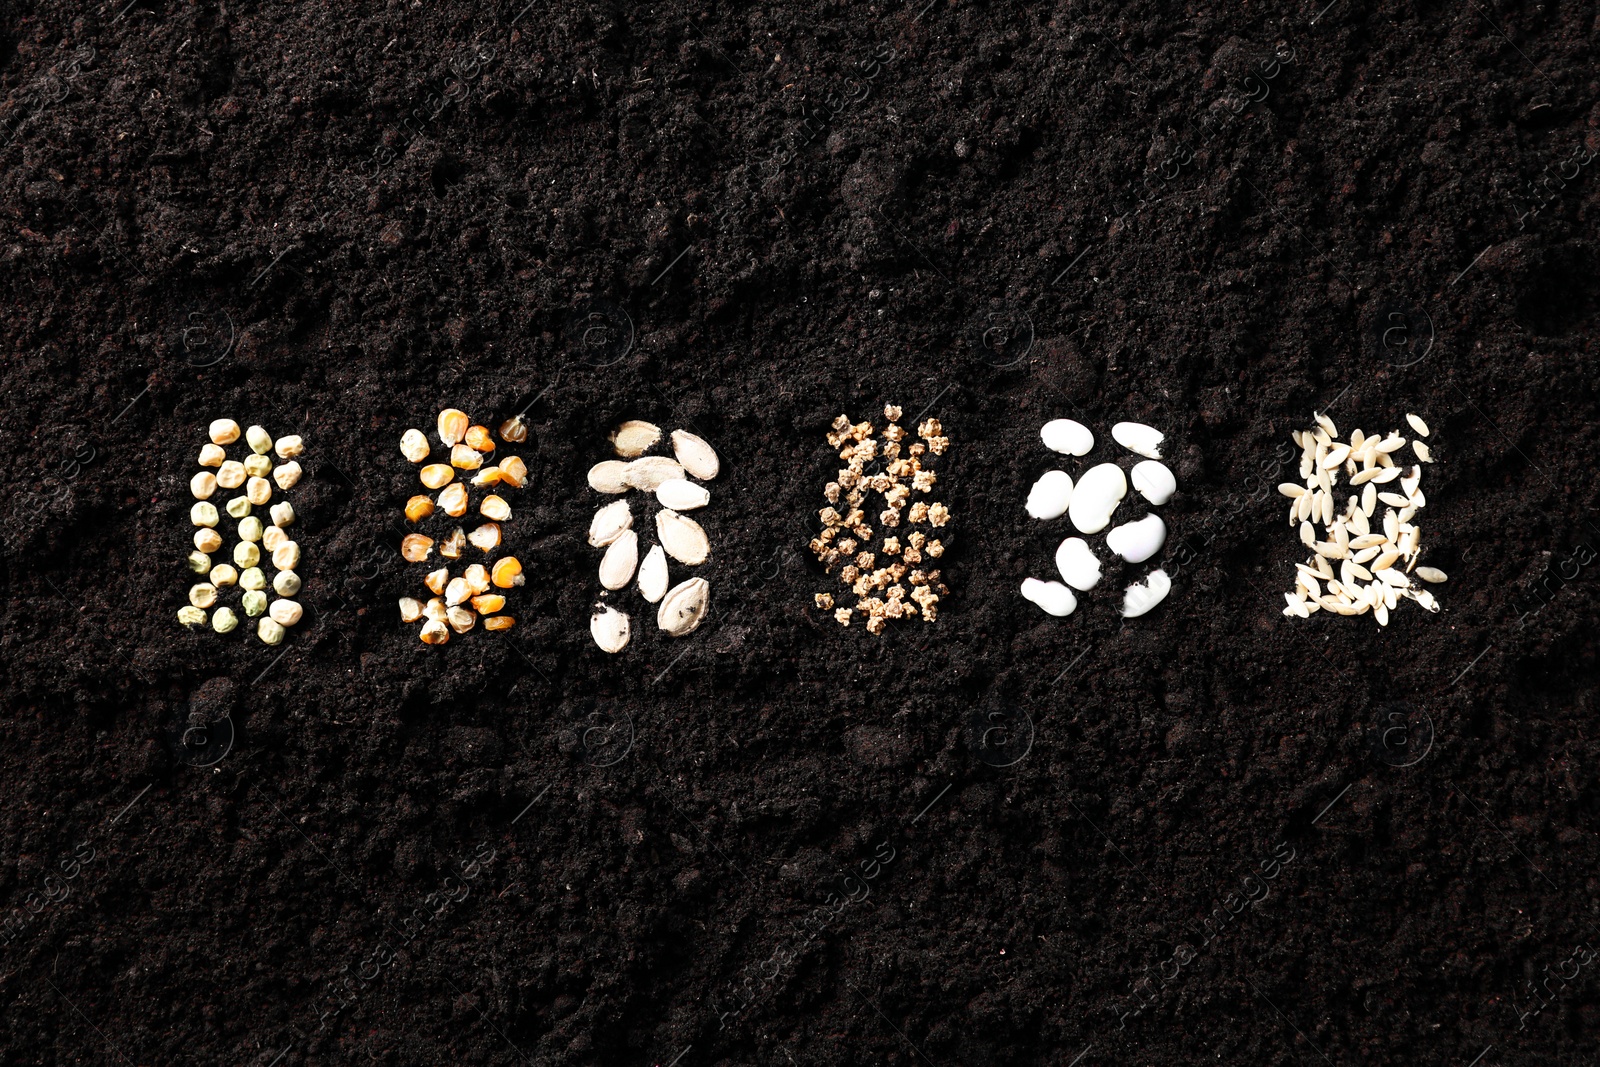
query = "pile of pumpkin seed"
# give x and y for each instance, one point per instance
(478, 590)
(245, 575)
(668, 479)
(894, 469)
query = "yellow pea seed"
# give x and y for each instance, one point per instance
(231, 474)
(212, 455)
(191, 616)
(207, 539)
(286, 557)
(246, 553)
(224, 621)
(257, 466)
(204, 513)
(200, 563)
(259, 490)
(223, 574)
(202, 594)
(270, 631)
(259, 440)
(202, 485)
(286, 475)
(289, 447)
(249, 528)
(224, 432)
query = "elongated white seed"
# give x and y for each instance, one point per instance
(633, 437)
(1431, 574)
(606, 477)
(609, 522)
(649, 472)
(683, 538)
(697, 457)
(1417, 424)
(680, 494)
(1052, 597)
(617, 565)
(684, 607)
(654, 576)
(609, 628)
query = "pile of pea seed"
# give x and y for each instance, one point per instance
(245, 575)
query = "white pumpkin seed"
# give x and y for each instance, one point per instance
(683, 538)
(609, 628)
(697, 457)
(633, 437)
(1417, 424)
(607, 477)
(617, 565)
(653, 575)
(651, 471)
(684, 606)
(1422, 451)
(680, 494)
(609, 523)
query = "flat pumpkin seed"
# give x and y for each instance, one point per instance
(617, 565)
(649, 472)
(697, 457)
(684, 606)
(633, 437)
(683, 538)
(609, 628)
(609, 523)
(607, 477)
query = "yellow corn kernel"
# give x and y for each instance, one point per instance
(499, 622)
(486, 537)
(414, 445)
(435, 632)
(415, 547)
(494, 507)
(513, 471)
(514, 430)
(437, 475)
(466, 457)
(434, 609)
(453, 426)
(479, 439)
(419, 507)
(456, 592)
(410, 609)
(507, 572)
(436, 579)
(488, 604)
(477, 577)
(453, 499)
(450, 547)
(488, 476)
(461, 620)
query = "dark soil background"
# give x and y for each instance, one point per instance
(1208, 835)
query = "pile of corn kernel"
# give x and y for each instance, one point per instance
(846, 538)
(468, 446)
(245, 572)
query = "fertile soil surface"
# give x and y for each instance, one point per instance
(1212, 834)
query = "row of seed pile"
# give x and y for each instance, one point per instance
(1368, 550)
(458, 601)
(893, 469)
(682, 606)
(245, 574)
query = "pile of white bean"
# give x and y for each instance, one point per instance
(1089, 505)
